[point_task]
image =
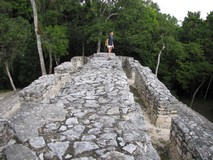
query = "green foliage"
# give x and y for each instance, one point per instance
(193, 27)
(13, 35)
(71, 26)
(208, 38)
(55, 40)
(5, 7)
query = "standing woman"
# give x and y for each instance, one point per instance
(110, 43)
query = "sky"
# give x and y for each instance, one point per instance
(180, 8)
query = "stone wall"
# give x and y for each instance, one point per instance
(50, 85)
(154, 94)
(71, 67)
(40, 89)
(191, 135)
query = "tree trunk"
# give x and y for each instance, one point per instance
(158, 63)
(82, 48)
(99, 44)
(207, 90)
(9, 76)
(38, 37)
(193, 97)
(56, 60)
(83, 51)
(51, 62)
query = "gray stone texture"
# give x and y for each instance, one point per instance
(82, 112)
(19, 152)
(116, 155)
(84, 146)
(87, 112)
(37, 142)
(6, 132)
(33, 116)
(191, 134)
(59, 148)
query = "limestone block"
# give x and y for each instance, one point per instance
(19, 152)
(65, 67)
(6, 132)
(59, 148)
(85, 146)
(116, 155)
(37, 142)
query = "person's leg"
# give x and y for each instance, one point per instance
(109, 50)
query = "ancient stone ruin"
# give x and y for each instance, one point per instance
(191, 135)
(85, 111)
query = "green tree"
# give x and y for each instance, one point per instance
(192, 28)
(13, 35)
(208, 41)
(136, 26)
(196, 36)
(56, 43)
(99, 17)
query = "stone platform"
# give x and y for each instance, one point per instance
(93, 117)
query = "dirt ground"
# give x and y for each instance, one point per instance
(159, 137)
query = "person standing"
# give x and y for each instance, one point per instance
(110, 44)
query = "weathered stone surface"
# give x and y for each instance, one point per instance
(26, 126)
(155, 95)
(19, 152)
(93, 116)
(130, 148)
(52, 126)
(53, 112)
(41, 156)
(33, 116)
(186, 138)
(50, 155)
(62, 128)
(65, 67)
(37, 142)
(74, 133)
(42, 88)
(116, 155)
(84, 158)
(71, 121)
(59, 148)
(6, 132)
(114, 110)
(88, 137)
(9, 105)
(189, 130)
(68, 156)
(84, 146)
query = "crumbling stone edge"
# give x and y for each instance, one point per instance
(191, 134)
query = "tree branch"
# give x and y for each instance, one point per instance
(159, 54)
(193, 97)
(112, 14)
